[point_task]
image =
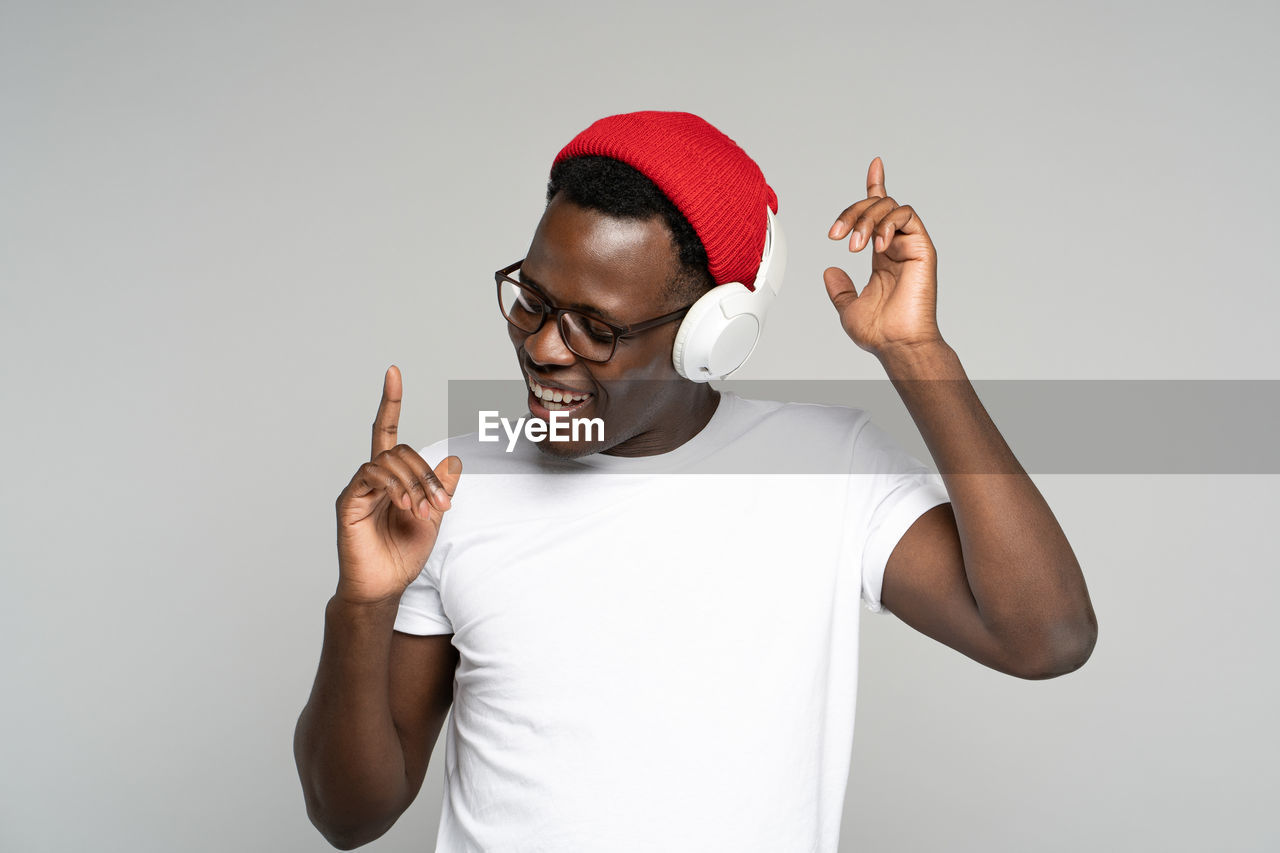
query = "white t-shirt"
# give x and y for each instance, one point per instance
(654, 654)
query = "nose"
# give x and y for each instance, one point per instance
(546, 346)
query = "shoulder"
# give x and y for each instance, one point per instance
(498, 476)
(489, 455)
(768, 436)
(807, 419)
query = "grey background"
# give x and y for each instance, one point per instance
(221, 222)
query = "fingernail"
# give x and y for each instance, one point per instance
(424, 508)
(857, 239)
(455, 465)
(879, 244)
(835, 231)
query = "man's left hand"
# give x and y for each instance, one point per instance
(897, 308)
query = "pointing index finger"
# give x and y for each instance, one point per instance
(875, 179)
(386, 425)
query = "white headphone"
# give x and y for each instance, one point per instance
(722, 328)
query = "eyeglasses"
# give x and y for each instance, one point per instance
(586, 336)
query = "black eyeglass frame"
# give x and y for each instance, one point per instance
(548, 309)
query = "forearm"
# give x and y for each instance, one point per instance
(1024, 577)
(348, 752)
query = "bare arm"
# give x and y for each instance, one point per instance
(992, 575)
(365, 736)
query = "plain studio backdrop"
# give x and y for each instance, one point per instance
(220, 222)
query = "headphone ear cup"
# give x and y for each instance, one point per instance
(692, 321)
(712, 342)
(722, 328)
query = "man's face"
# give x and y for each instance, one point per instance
(615, 269)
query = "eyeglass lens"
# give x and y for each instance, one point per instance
(585, 336)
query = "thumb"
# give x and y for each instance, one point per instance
(448, 472)
(839, 287)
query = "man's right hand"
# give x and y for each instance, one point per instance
(389, 514)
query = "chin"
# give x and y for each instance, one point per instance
(567, 449)
(587, 443)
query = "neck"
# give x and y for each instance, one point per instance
(679, 420)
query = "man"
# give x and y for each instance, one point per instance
(641, 652)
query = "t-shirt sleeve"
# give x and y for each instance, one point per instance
(890, 489)
(421, 609)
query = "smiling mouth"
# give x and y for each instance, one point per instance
(556, 399)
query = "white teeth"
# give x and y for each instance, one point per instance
(555, 398)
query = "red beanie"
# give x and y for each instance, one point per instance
(718, 188)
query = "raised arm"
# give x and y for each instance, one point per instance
(364, 738)
(992, 575)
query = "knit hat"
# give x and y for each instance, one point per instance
(718, 188)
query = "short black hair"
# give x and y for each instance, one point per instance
(617, 189)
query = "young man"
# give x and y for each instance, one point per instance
(642, 651)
